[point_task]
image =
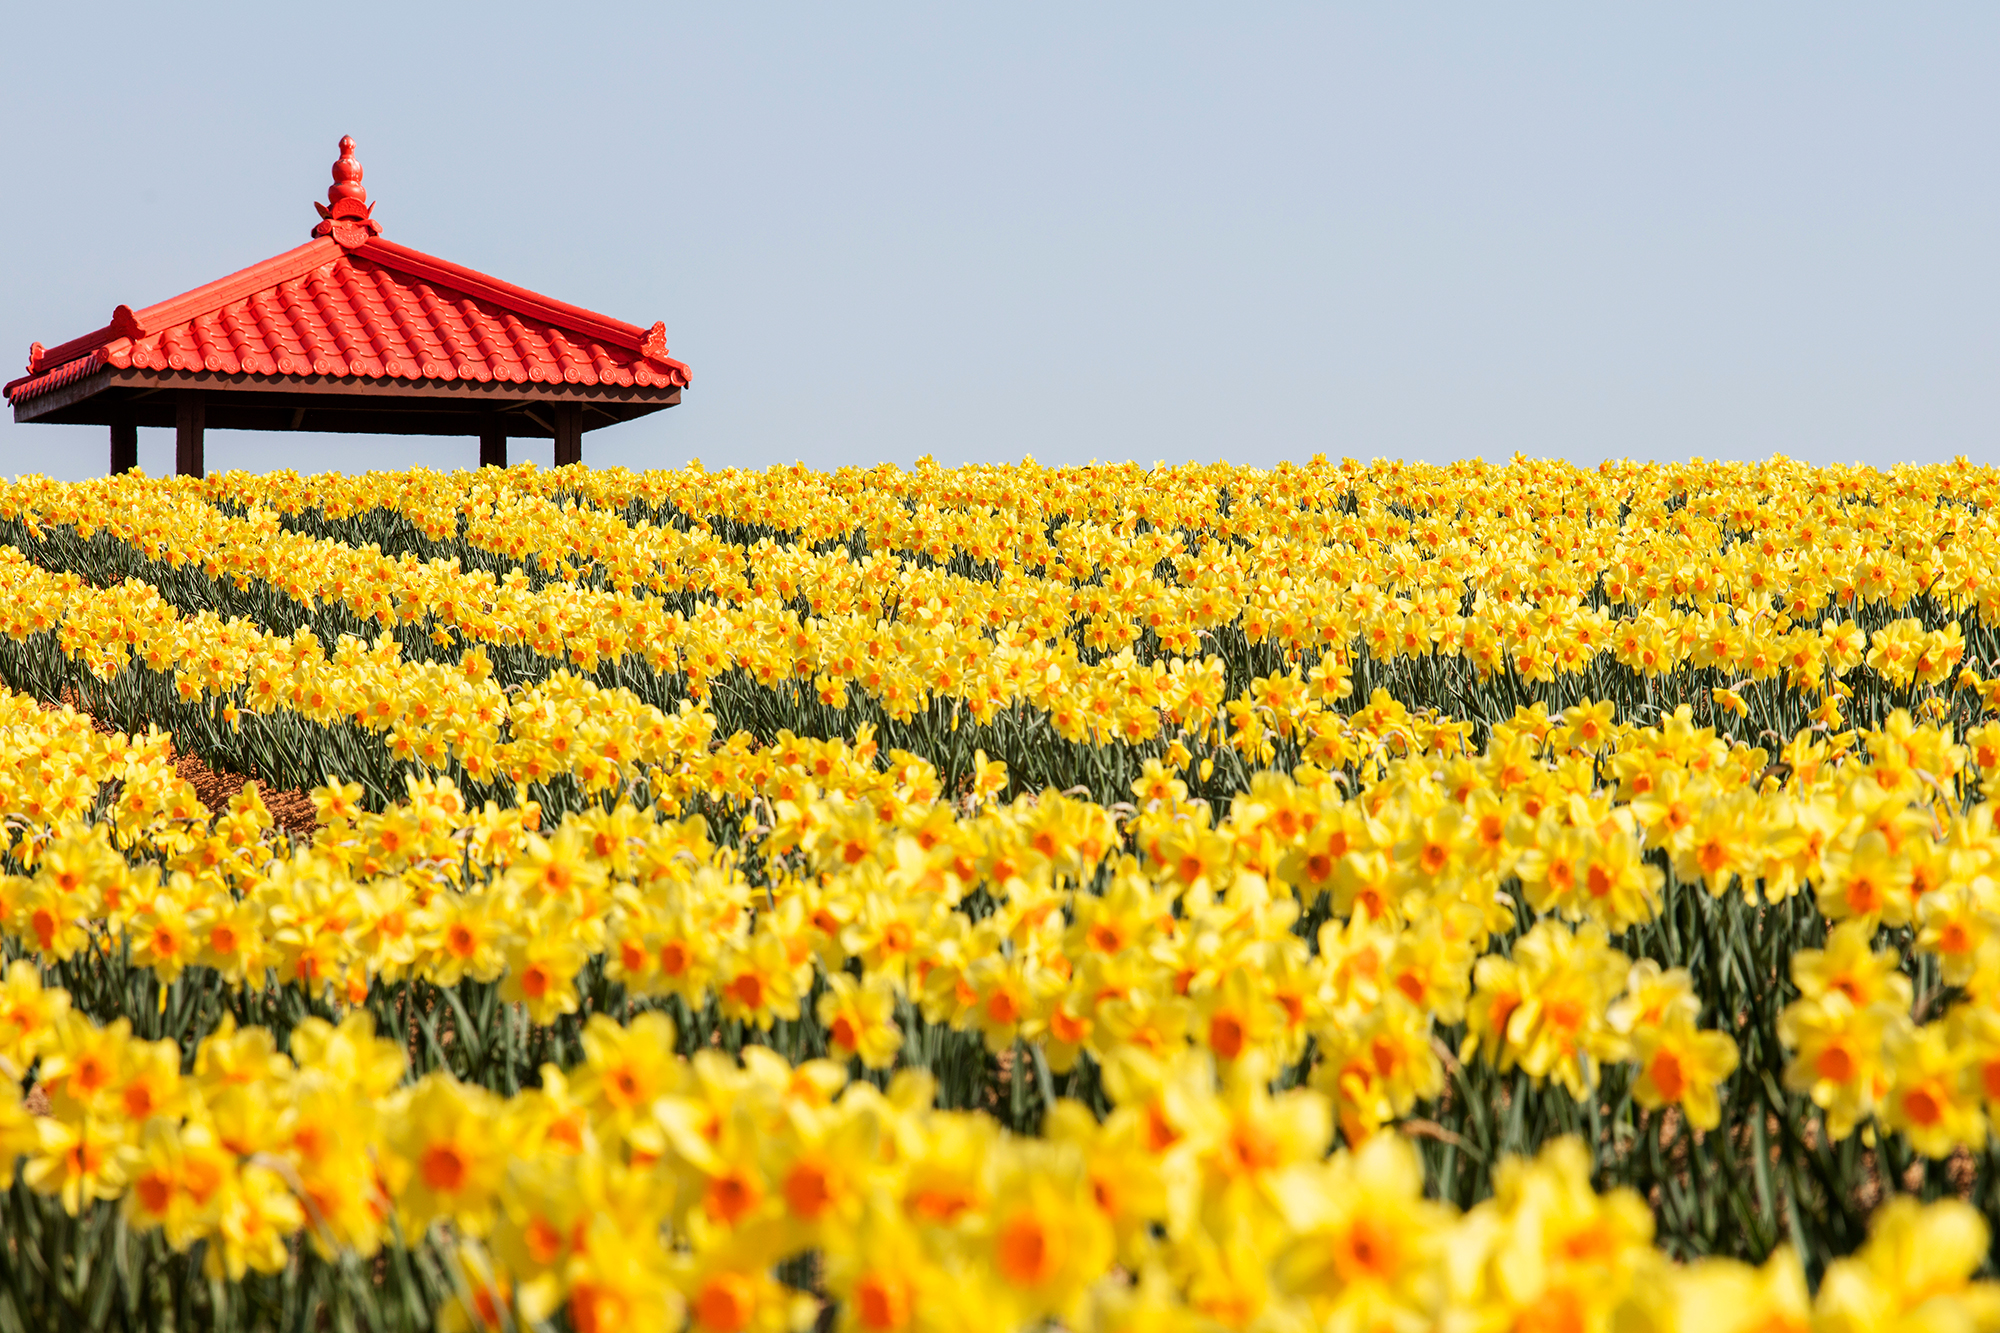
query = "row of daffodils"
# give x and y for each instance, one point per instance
(640, 1190)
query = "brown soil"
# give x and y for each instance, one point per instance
(291, 810)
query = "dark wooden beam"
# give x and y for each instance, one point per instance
(326, 403)
(73, 394)
(124, 443)
(492, 445)
(569, 433)
(190, 412)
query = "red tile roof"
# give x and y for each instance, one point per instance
(349, 303)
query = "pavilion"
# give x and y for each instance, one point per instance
(351, 332)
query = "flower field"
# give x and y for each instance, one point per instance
(1390, 897)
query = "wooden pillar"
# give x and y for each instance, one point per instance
(492, 444)
(124, 444)
(569, 433)
(188, 427)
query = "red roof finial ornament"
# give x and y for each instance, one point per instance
(654, 345)
(345, 215)
(346, 175)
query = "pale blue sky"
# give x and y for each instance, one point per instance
(1153, 231)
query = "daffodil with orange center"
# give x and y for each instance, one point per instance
(1681, 1065)
(1045, 1241)
(1838, 1055)
(860, 1020)
(1933, 1096)
(447, 1155)
(1365, 1253)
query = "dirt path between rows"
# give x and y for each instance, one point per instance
(292, 810)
